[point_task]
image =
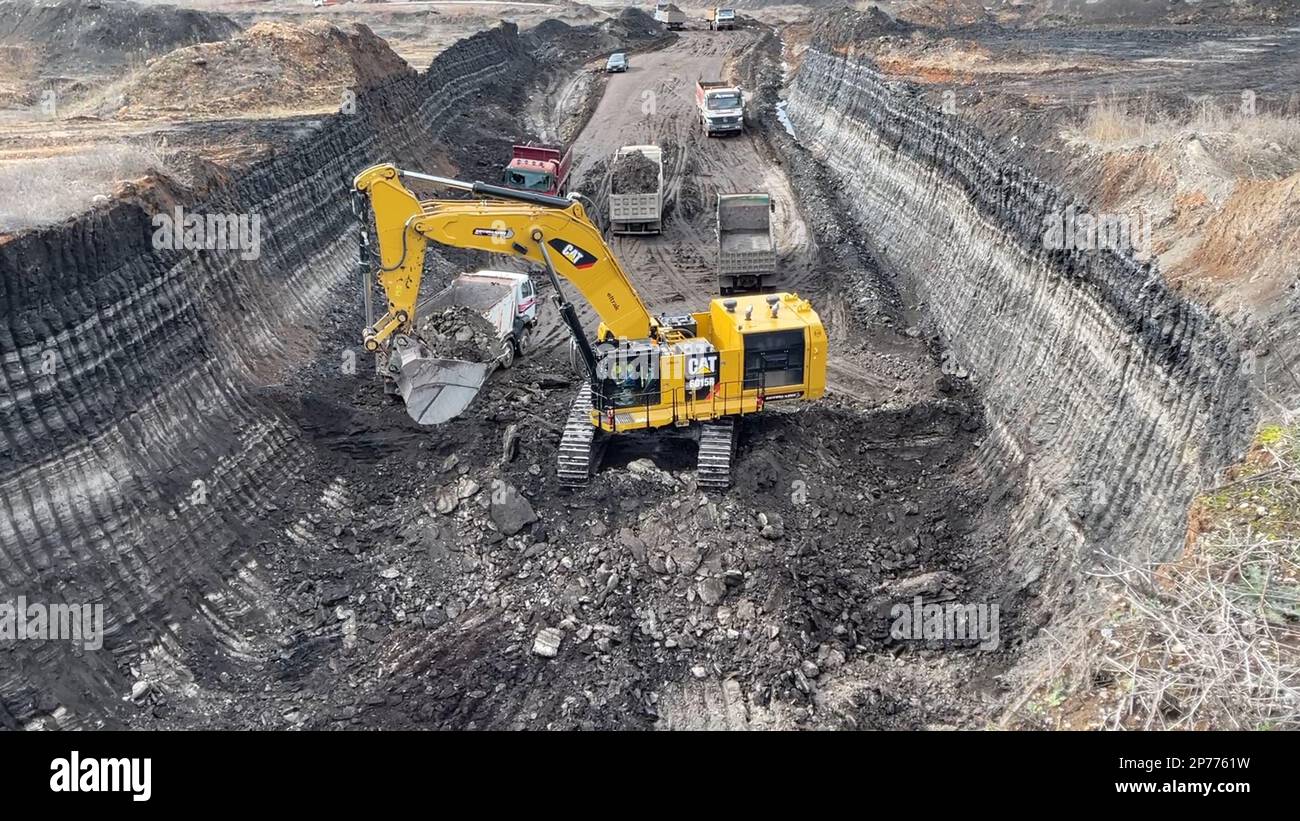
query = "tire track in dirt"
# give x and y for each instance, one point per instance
(654, 102)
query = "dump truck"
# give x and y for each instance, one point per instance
(720, 19)
(434, 384)
(636, 190)
(721, 106)
(542, 169)
(673, 18)
(746, 251)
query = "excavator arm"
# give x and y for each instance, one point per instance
(550, 231)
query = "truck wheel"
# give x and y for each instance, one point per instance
(522, 343)
(507, 352)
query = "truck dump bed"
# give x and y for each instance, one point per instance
(670, 15)
(480, 293)
(746, 251)
(636, 190)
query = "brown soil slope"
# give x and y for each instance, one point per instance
(270, 66)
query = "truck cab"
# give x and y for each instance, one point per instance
(722, 107)
(538, 168)
(722, 18)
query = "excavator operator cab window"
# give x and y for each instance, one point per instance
(774, 359)
(628, 376)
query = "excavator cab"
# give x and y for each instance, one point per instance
(628, 374)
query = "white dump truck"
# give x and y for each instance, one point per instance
(673, 18)
(721, 105)
(721, 19)
(434, 382)
(636, 190)
(746, 251)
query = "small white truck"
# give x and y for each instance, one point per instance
(721, 106)
(636, 190)
(746, 252)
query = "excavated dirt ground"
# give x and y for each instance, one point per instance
(418, 597)
(400, 576)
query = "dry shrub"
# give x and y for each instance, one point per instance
(1111, 123)
(1213, 640)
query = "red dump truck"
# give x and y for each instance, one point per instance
(542, 169)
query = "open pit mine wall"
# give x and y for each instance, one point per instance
(137, 456)
(1109, 398)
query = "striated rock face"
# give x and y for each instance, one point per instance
(1109, 398)
(139, 460)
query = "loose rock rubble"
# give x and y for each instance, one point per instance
(460, 333)
(634, 173)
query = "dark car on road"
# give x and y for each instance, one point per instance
(616, 62)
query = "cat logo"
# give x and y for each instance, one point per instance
(576, 256)
(702, 365)
(701, 371)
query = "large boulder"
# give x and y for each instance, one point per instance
(509, 510)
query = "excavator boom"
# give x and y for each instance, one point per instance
(549, 231)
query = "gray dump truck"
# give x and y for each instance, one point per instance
(636, 190)
(746, 250)
(673, 18)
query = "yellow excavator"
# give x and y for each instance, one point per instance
(699, 371)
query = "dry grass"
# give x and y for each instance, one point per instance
(1112, 123)
(1213, 640)
(953, 60)
(41, 191)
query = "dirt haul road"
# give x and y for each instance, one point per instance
(654, 103)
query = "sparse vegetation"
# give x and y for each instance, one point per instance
(40, 191)
(1112, 122)
(1213, 640)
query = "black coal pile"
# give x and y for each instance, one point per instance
(79, 35)
(634, 173)
(538, 608)
(557, 41)
(460, 333)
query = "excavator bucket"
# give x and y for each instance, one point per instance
(436, 390)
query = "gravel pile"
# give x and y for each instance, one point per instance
(460, 333)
